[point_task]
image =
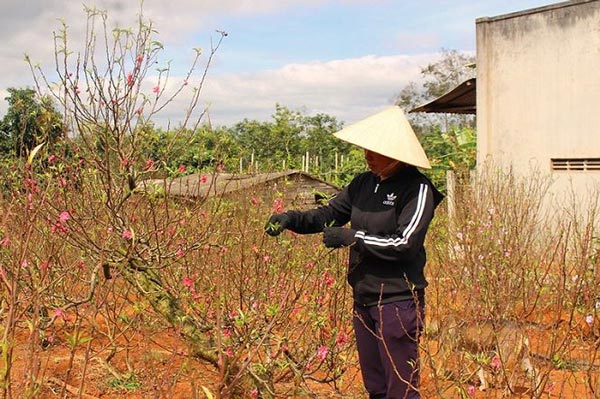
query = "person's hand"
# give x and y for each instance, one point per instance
(336, 237)
(276, 224)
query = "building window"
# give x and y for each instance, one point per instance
(582, 164)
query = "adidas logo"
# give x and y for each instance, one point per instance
(390, 199)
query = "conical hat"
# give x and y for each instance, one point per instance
(387, 133)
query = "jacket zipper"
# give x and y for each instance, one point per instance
(376, 187)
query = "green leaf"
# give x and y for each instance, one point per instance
(33, 153)
(207, 392)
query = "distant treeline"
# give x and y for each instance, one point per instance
(290, 140)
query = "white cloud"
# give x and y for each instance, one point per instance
(347, 89)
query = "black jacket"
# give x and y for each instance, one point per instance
(391, 218)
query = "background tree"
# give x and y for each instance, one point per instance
(29, 121)
(448, 139)
(439, 77)
(454, 150)
(196, 149)
(270, 144)
(284, 142)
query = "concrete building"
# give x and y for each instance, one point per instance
(538, 94)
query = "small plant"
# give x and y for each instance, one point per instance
(130, 383)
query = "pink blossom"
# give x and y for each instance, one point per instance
(181, 168)
(185, 82)
(589, 319)
(254, 393)
(58, 312)
(5, 242)
(127, 234)
(327, 279)
(203, 179)
(45, 266)
(58, 227)
(51, 159)
(129, 80)
(125, 162)
(64, 216)
(226, 332)
(32, 184)
(150, 164)
(471, 390)
(255, 201)
(496, 363)
(180, 253)
(139, 59)
(188, 282)
(229, 352)
(295, 310)
(139, 111)
(156, 89)
(342, 339)
(322, 352)
(278, 205)
(266, 258)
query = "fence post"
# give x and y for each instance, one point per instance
(307, 162)
(451, 196)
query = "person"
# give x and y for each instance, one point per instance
(389, 209)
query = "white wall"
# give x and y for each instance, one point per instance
(538, 91)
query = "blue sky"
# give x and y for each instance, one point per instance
(347, 58)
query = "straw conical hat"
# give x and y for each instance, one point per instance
(387, 133)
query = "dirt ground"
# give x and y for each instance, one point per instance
(156, 365)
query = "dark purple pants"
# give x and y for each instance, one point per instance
(387, 337)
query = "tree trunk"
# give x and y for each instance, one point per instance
(149, 284)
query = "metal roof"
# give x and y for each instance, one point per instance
(460, 100)
(198, 185)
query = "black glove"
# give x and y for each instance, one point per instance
(277, 223)
(336, 237)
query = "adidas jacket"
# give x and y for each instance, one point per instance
(391, 218)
